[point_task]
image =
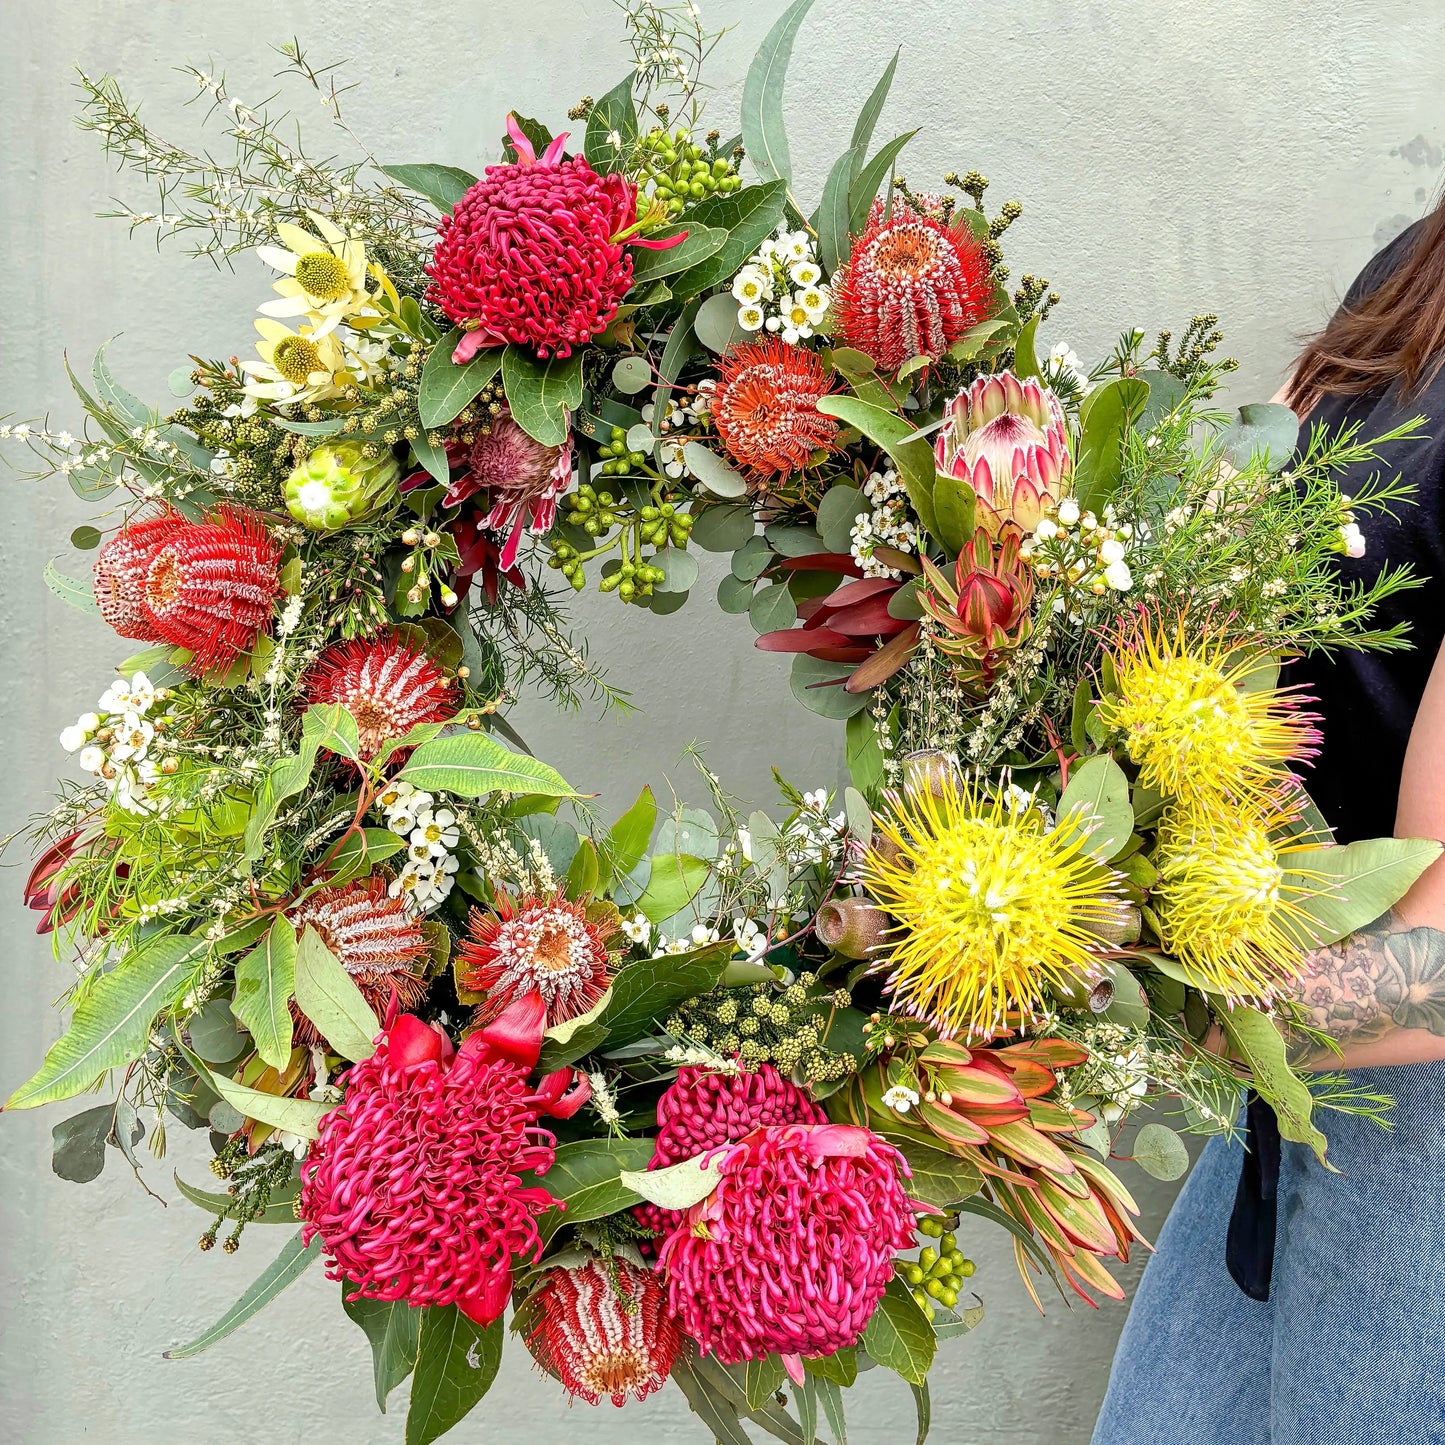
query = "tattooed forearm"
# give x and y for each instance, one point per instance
(1383, 978)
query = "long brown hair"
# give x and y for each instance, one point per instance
(1396, 333)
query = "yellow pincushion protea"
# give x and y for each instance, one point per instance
(1195, 732)
(1228, 900)
(993, 904)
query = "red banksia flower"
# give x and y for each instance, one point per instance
(912, 286)
(765, 407)
(550, 946)
(120, 574)
(386, 684)
(791, 1252)
(211, 586)
(604, 1329)
(375, 939)
(703, 1109)
(414, 1185)
(527, 255)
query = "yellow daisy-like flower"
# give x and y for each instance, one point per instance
(301, 365)
(1228, 901)
(1192, 723)
(992, 904)
(325, 275)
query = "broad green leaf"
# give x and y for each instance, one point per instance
(394, 1329)
(714, 473)
(673, 883)
(1160, 1152)
(329, 997)
(456, 1362)
(773, 609)
(446, 388)
(360, 852)
(328, 725)
(922, 1407)
(698, 243)
(265, 981)
(280, 1208)
(913, 458)
(818, 685)
(864, 754)
(841, 1367)
(77, 1148)
(840, 508)
(1267, 428)
(111, 1026)
(939, 1178)
(611, 130)
(542, 393)
(558, 1054)
(535, 131)
(710, 1405)
(288, 1265)
(863, 190)
(1026, 363)
(898, 1336)
(831, 1394)
(717, 325)
(760, 1379)
(748, 216)
(954, 503)
(1097, 797)
(472, 765)
(301, 1117)
(1256, 1039)
(583, 871)
(764, 134)
(587, 1177)
(629, 836)
(443, 186)
(650, 989)
(1347, 887)
(284, 779)
(1099, 463)
(726, 1383)
(679, 1186)
(80, 595)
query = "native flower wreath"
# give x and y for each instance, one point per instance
(685, 1092)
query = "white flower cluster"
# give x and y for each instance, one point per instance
(431, 834)
(678, 416)
(781, 289)
(813, 836)
(698, 937)
(1352, 540)
(887, 525)
(1063, 371)
(900, 1098)
(697, 1057)
(1081, 552)
(114, 743)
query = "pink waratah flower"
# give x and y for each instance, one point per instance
(791, 1253)
(702, 1109)
(531, 253)
(604, 1329)
(1008, 440)
(414, 1184)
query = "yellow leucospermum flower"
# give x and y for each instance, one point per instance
(993, 903)
(301, 365)
(325, 275)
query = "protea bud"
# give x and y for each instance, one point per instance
(1007, 439)
(985, 612)
(337, 486)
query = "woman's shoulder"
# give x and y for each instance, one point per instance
(1382, 263)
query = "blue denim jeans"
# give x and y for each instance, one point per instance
(1350, 1347)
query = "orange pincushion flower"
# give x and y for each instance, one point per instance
(766, 407)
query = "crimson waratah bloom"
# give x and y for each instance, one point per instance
(702, 1109)
(414, 1185)
(791, 1253)
(604, 1329)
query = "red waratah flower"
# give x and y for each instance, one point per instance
(604, 1329)
(120, 574)
(375, 939)
(528, 254)
(385, 683)
(765, 407)
(414, 1185)
(551, 946)
(211, 586)
(791, 1252)
(912, 286)
(703, 1109)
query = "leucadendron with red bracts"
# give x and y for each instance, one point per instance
(716, 1098)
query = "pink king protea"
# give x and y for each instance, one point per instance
(791, 1253)
(529, 254)
(414, 1183)
(1008, 440)
(604, 1329)
(703, 1109)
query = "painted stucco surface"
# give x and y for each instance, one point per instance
(1173, 157)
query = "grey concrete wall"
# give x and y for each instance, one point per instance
(1173, 157)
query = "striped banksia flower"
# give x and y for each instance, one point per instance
(912, 286)
(792, 1251)
(120, 574)
(765, 407)
(703, 1109)
(385, 683)
(604, 1329)
(375, 939)
(211, 586)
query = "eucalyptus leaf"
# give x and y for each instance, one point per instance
(773, 609)
(679, 1186)
(80, 595)
(865, 188)
(681, 568)
(818, 685)
(714, 473)
(328, 996)
(443, 186)
(1267, 428)
(722, 528)
(764, 135)
(1160, 1152)
(78, 1144)
(840, 508)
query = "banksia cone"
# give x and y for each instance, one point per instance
(120, 574)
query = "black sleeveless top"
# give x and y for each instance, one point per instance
(1368, 700)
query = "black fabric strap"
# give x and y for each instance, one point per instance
(1249, 1246)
